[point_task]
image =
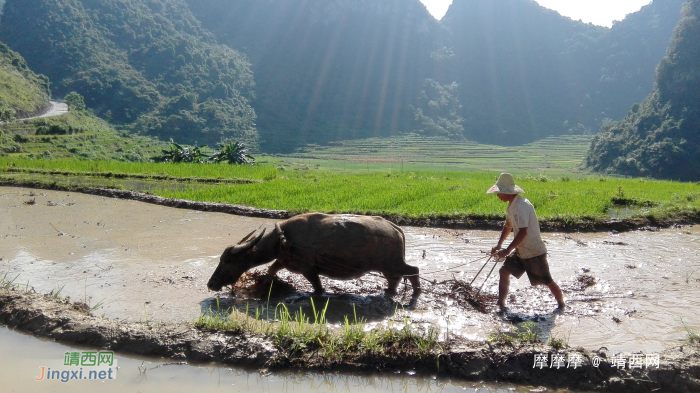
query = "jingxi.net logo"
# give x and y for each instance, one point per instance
(78, 366)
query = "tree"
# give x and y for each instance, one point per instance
(437, 111)
(75, 101)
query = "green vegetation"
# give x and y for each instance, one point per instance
(659, 137)
(398, 195)
(147, 169)
(78, 134)
(297, 334)
(507, 72)
(692, 336)
(555, 155)
(500, 72)
(524, 333)
(146, 65)
(22, 92)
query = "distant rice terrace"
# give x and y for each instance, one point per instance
(553, 155)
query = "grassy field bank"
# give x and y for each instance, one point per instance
(418, 195)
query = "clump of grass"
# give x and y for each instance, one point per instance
(6, 283)
(556, 343)
(524, 333)
(692, 336)
(56, 293)
(299, 333)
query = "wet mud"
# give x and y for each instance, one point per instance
(137, 265)
(46, 316)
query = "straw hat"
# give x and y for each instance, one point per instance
(505, 185)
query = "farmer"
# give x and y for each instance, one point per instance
(530, 251)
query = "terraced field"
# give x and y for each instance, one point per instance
(552, 156)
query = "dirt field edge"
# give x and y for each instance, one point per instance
(72, 323)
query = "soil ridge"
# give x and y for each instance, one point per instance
(62, 320)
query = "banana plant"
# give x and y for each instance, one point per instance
(233, 153)
(177, 153)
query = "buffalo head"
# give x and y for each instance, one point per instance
(234, 262)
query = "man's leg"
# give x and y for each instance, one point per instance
(503, 286)
(558, 295)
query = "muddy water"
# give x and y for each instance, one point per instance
(137, 261)
(22, 357)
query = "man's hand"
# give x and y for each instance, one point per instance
(502, 253)
(495, 250)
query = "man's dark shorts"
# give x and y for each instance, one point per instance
(537, 268)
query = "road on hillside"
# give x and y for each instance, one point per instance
(56, 109)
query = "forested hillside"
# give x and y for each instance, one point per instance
(506, 72)
(525, 72)
(144, 64)
(22, 92)
(661, 136)
(312, 71)
(328, 70)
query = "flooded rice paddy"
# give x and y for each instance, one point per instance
(628, 292)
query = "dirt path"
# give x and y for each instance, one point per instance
(56, 109)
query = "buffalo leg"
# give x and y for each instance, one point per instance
(275, 267)
(393, 284)
(315, 281)
(415, 283)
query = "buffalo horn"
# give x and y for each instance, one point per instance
(247, 236)
(249, 245)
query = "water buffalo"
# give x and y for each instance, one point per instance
(337, 246)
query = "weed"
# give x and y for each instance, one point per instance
(297, 333)
(56, 293)
(556, 343)
(526, 333)
(692, 336)
(7, 284)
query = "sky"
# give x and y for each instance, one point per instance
(598, 12)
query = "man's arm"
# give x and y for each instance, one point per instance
(507, 229)
(522, 232)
